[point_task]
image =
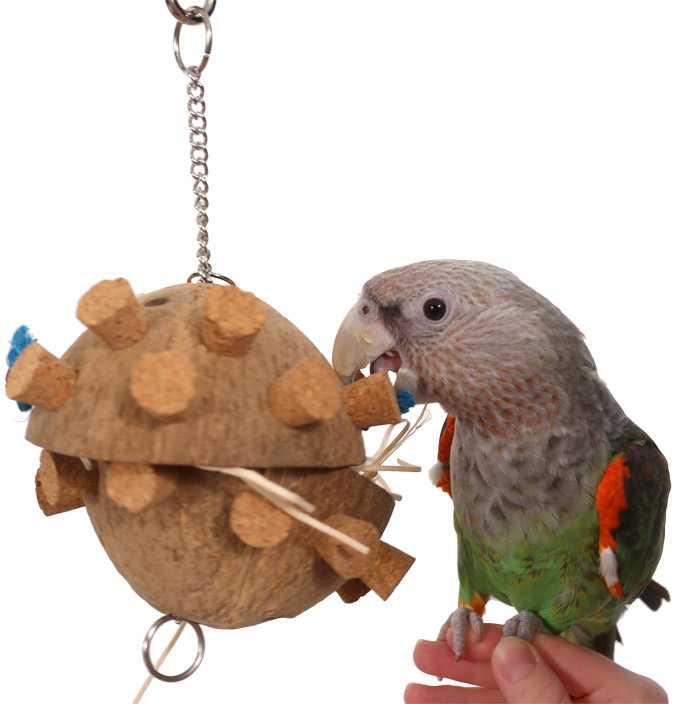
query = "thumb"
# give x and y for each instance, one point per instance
(523, 676)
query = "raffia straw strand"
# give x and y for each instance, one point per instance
(161, 660)
(289, 502)
(392, 468)
(320, 526)
(253, 478)
(371, 467)
(386, 448)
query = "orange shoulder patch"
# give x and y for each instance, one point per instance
(610, 500)
(446, 438)
(444, 482)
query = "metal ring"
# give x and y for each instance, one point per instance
(187, 16)
(207, 43)
(146, 649)
(221, 277)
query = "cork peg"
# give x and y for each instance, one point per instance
(38, 378)
(352, 590)
(64, 479)
(111, 311)
(232, 319)
(164, 384)
(137, 487)
(307, 393)
(372, 401)
(389, 566)
(257, 522)
(347, 562)
(50, 509)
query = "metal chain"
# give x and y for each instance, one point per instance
(199, 169)
(198, 130)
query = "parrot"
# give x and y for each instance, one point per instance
(559, 498)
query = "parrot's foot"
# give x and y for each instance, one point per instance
(459, 621)
(524, 625)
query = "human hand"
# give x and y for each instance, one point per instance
(512, 670)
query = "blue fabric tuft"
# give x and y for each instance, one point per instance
(21, 339)
(405, 401)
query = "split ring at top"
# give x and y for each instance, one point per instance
(190, 16)
(204, 17)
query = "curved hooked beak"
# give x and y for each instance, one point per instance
(359, 342)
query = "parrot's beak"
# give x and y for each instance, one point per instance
(358, 343)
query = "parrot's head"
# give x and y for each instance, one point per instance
(468, 335)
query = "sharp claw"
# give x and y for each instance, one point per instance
(459, 621)
(477, 624)
(524, 625)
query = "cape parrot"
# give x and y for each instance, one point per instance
(559, 498)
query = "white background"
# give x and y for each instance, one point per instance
(559, 140)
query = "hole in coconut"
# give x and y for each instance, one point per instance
(156, 302)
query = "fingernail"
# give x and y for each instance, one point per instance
(514, 658)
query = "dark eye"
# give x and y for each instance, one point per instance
(434, 309)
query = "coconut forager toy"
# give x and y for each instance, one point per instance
(212, 445)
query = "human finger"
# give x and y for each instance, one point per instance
(586, 673)
(448, 694)
(523, 675)
(437, 658)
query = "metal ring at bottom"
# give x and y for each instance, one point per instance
(221, 277)
(146, 649)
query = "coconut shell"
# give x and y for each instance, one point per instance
(227, 423)
(182, 557)
(181, 393)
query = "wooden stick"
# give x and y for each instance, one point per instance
(277, 497)
(161, 660)
(251, 477)
(349, 565)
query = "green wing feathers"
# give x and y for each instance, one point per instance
(579, 578)
(640, 535)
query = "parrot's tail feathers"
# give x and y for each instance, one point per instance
(605, 643)
(654, 595)
(597, 636)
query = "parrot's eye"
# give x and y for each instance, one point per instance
(434, 309)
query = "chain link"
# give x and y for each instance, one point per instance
(198, 168)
